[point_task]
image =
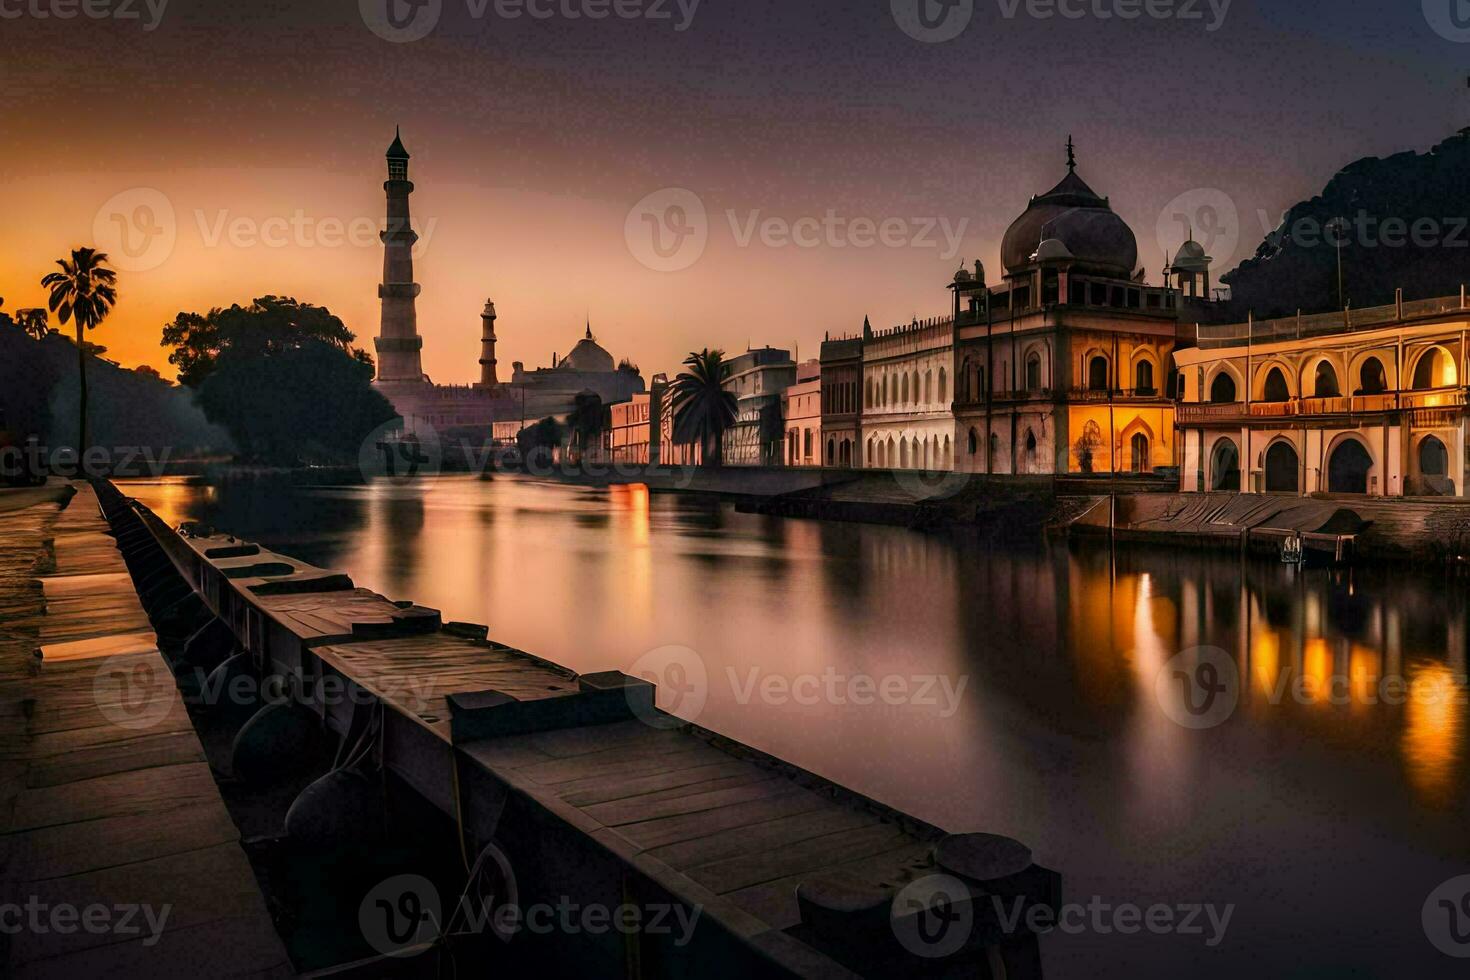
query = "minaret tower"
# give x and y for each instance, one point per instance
(488, 378)
(398, 342)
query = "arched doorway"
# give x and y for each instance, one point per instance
(1434, 370)
(1030, 463)
(1097, 374)
(1222, 389)
(1225, 466)
(1347, 469)
(1283, 469)
(1143, 378)
(1434, 469)
(1140, 455)
(831, 452)
(1276, 389)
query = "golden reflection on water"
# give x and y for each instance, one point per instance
(1434, 720)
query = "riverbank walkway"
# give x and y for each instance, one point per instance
(117, 855)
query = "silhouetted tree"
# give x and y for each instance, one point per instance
(84, 292)
(34, 322)
(703, 409)
(310, 402)
(587, 421)
(267, 325)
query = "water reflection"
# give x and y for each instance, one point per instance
(1343, 763)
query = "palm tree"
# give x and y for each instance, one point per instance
(82, 291)
(33, 322)
(703, 409)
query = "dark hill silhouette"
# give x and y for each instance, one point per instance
(38, 396)
(1408, 226)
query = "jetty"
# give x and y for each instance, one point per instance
(377, 726)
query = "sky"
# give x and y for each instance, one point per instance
(683, 173)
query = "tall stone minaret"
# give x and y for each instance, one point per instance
(488, 377)
(398, 342)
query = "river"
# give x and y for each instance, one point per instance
(1294, 822)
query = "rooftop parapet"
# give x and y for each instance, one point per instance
(1403, 312)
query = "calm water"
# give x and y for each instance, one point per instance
(1326, 820)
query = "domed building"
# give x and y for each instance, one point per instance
(588, 368)
(1065, 365)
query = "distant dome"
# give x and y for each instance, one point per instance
(588, 356)
(1082, 222)
(1192, 257)
(1052, 250)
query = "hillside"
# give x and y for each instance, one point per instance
(1408, 227)
(38, 395)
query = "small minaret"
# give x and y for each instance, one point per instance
(488, 377)
(399, 344)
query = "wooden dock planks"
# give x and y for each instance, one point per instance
(101, 813)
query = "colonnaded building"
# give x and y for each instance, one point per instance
(471, 409)
(1367, 401)
(1064, 366)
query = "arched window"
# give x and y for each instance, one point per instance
(831, 452)
(1325, 384)
(904, 391)
(1276, 389)
(1030, 452)
(928, 387)
(1143, 377)
(1434, 370)
(1372, 379)
(1434, 469)
(974, 442)
(943, 391)
(1033, 372)
(1097, 374)
(1222, 389)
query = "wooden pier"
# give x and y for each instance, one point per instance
(98, 813)
(577, 785)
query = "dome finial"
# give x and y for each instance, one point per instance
(1071, 154)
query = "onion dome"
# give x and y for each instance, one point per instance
(1079, 219)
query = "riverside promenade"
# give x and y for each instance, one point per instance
(118, 856)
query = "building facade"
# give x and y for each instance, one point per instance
(801, 409)
(1366, 401)
(757, 379)
(907, 421)
(1064, 366)
(842, 381)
